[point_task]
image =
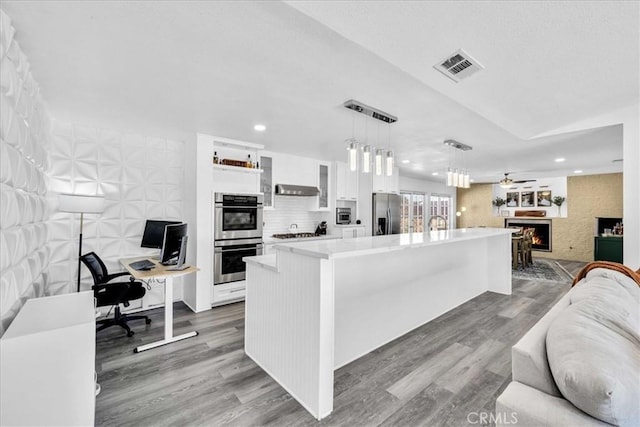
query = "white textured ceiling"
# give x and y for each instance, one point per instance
(176, 68)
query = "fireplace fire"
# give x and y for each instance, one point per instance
(541, 234)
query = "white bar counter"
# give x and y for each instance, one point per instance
(315, 306)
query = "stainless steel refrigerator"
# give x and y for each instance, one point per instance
(386, 214)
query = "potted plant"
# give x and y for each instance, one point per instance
(558, 201)
(498, 201)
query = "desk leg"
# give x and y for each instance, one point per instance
(168, 321)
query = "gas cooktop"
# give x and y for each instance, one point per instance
(294, 235)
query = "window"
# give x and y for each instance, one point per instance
(412, 212)
(440, 206)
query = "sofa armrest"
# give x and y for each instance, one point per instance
(529, 363)
(523, 406)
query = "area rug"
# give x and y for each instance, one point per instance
(543, 269)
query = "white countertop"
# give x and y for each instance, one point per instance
(348, 225)
(271, 240)
(343, 248)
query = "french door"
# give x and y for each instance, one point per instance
(440, 209)
(412, 212)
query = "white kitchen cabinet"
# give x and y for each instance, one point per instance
(323, 186)
(323, 182)
(351, 232)
(226, 293)
(346, 182)
(386, 184)
(296, 170)
(266, 180)
(47, 363)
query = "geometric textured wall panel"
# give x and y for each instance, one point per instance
(139, 177)
(24, 207)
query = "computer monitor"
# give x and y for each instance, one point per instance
(173, 244)
(154, 233)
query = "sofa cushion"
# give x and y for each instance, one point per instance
(529, 355)
(523, 406)
(624, 281)
(594, 363)
(613, 304)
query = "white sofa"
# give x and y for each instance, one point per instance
(534, 398)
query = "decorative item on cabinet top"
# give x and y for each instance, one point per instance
(228, 151)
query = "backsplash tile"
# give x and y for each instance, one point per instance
(292, 210)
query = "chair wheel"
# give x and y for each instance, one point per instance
(147, 321)
(130, 333)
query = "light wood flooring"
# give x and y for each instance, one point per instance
(435, 375)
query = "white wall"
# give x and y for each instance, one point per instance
(24, 209)
(140, 177)
(629, 117)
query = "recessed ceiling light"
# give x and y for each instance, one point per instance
(260, 128)
(434, 173)
(405, 161)
(577, 171)
(559, 160)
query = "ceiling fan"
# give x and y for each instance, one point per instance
(506, 182)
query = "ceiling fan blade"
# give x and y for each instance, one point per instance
(522, 181)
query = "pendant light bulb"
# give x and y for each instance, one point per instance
(389, 163)
(366, 159)
(456, 177)
(378, 162)
(353, 156)
(466, 183)
(449, 177)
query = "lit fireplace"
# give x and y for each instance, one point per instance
(541, 234)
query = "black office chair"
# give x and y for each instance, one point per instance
(113, 294)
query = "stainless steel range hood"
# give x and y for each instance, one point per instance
(296, 190)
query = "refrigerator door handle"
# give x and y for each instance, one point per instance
(389, 221)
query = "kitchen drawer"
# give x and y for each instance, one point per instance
(228, 292)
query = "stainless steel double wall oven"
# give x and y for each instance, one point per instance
(237, 233)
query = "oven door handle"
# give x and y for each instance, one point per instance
(224, 250)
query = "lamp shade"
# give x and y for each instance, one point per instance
(78, 203)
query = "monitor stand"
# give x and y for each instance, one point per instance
(179, 264)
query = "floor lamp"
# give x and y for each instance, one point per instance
(76, 203)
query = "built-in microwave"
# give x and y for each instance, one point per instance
(237, 216)
(343, 215)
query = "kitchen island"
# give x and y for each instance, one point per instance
(312, 307)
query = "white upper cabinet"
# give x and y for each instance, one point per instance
(346, 182)
(386, 184)
(294, 170)
(324, 185)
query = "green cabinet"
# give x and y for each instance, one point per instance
(608, 248)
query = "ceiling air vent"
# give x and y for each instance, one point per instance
(458, 66)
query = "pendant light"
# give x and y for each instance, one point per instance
(379, 153)
(366, 159)
(389, 165)
(352, 148)
(353, 155)
(458, 177)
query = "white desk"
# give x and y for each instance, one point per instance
(161, 272)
